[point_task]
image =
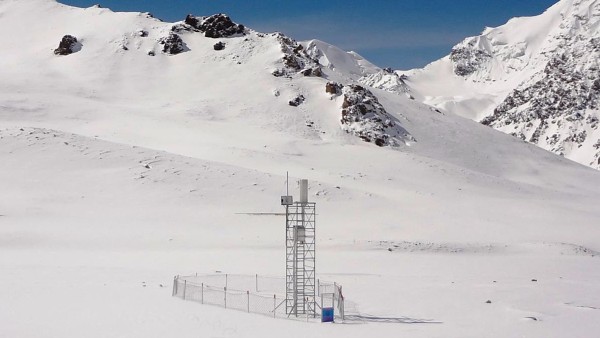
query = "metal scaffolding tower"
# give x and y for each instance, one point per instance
(300, 254)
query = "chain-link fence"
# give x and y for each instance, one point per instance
(254, 294)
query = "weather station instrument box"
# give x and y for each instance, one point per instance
(287, 200)
(327, 315)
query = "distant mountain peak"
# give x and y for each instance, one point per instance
(534, 78)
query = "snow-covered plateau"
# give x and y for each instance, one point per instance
(133, 150)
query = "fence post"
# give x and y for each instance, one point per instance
(174, 285)
(256, 282)
(202, 295)
(225, 296)
(274, 305)
(225, 280)
(248, 297)
(184, 287)
(306, 309)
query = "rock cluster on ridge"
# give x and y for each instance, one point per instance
(295, 59)
(365, 117)
(467, 60)
(172, 44)
(215, 26)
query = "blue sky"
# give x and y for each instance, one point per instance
(401, 34)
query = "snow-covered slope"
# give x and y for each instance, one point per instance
(148, 151)
(534, 78)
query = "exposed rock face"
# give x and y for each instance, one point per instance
(219, 46)
(172, 44)
(536, 78)
(215, 26)
(365, 117)
(467, 60)
(295, 59)
(298, 100)
(68, 45)
(558, 108)
(333, 88)
(315, 71)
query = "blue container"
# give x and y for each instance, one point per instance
(327, 314)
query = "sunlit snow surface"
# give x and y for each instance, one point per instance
(120, 170)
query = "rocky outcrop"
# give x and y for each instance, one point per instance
(68, 45)
(365, 117)
(172, 44)
(467, 60)
(295, 59)
(219, 46)
(298, 100)
(333, 88)
(215, 26)
(558, 108)
(314, 71)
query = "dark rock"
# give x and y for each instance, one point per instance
(298, 100)
(216, 26)
(68, 45)
(192, 21)
(333, 88)
(365, 117)
(307, 72)
(296, 58)
(172, 44)
(316, 71)
(279, 73)
(219, 46)
(151, 53)
(291, 62)
(488, 302)
(467, 60)
(182, 28)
